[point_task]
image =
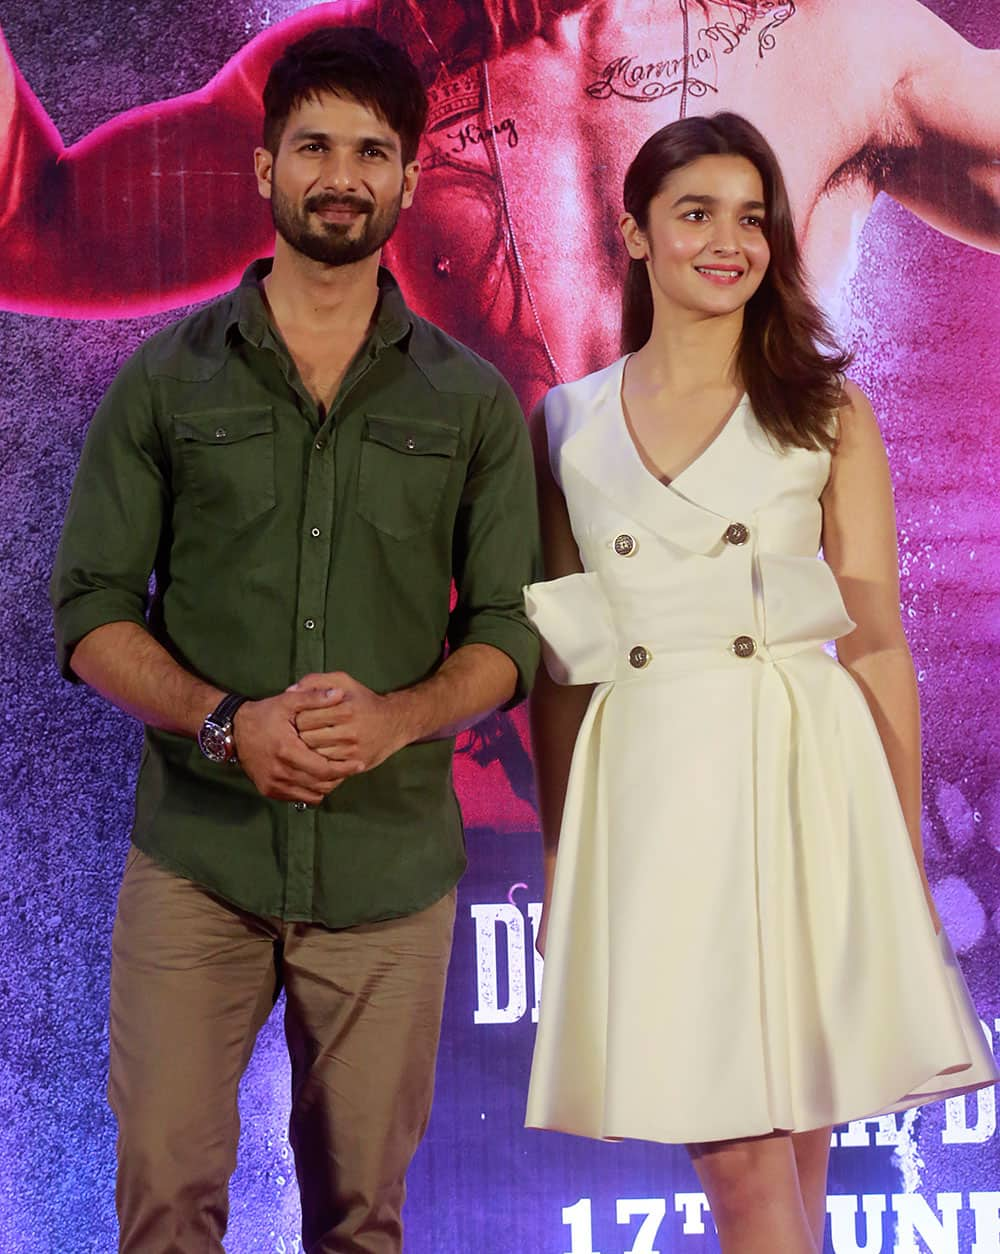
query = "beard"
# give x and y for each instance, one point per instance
(334, 243)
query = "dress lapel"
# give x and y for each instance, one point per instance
(602, 452)
(734, 474)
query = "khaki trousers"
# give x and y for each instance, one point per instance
(192, 981)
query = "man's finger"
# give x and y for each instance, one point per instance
(286, 790)
(295, 757)
(308, 796)
(310, 765)
(325, 716)
(312, 699)
(317, 782)
(330, 763)
(339, 754)
(324, 737)
(317, 679)
(350, 765)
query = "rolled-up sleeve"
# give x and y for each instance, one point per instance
(114, 520)
(497, 547)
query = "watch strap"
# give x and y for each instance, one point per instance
(225, 711)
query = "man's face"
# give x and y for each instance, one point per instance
(337, 182)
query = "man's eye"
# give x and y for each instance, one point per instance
(372, 151)
(752, 220)
(696, 215)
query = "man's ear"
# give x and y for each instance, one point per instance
(263, 164)
(411, 176)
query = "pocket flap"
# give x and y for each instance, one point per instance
(223, 426)
(418, 439)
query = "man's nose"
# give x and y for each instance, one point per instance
(339, 173)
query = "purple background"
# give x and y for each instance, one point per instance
(925, 323)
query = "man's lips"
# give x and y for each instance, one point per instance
(338, 210)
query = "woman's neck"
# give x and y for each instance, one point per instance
(684, 355)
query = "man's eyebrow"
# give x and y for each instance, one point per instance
(380, 141)
(691, 198)
(325, 137)
(320, 137)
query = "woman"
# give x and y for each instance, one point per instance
(741, 946)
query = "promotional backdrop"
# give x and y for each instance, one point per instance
(126, 195)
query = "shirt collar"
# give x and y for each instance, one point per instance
(248, 313)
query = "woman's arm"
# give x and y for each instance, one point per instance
(859, 543)
(555, 710)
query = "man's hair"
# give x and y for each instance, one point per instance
(351, 61)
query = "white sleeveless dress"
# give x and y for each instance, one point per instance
(738, 940)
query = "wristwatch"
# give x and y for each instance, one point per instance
(215, 739)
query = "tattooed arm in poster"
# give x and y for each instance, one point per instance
(148, 211)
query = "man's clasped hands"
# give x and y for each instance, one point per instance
(303, 743)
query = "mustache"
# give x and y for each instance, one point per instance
(316, 204)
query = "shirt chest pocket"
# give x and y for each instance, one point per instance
(403, 472)
(226, 463)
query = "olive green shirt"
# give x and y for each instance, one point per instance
(285, 541)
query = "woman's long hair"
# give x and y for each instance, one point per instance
(788, 359)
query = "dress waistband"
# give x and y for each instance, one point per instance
(647, 663)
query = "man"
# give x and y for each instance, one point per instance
(305, 466)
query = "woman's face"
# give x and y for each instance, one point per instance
(704, 241)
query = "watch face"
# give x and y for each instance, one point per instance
(215, 742)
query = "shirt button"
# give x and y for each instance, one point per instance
(744, 646)
(319, 446)
(639, 656)
(315, 532)
(220, 433)
(411, 443)
(737, 533)
(299, 805)
(625, 545)
(309, 624)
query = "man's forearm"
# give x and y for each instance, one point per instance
(472, 681)
(133, 671)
